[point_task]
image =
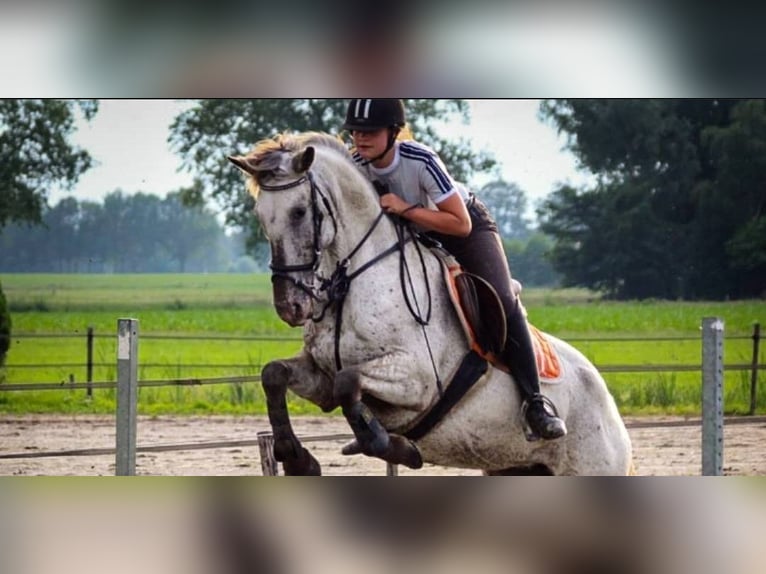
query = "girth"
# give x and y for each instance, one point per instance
(471, 369)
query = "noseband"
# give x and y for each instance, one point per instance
(281, 271)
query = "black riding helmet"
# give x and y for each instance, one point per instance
(372, 114)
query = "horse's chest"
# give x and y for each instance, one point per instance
(363, 335)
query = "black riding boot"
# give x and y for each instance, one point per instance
(539, 412)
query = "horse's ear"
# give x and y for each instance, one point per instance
(302, 162)
(242, 163)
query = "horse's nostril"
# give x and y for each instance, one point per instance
(296, 310)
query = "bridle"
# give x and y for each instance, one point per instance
(283, 271)
(336, 286)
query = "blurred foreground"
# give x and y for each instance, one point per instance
(529, 526)
(418, 49)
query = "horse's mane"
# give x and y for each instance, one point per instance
(293, 142)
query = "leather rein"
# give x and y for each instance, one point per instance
(337, 285)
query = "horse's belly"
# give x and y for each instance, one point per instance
(483, 430)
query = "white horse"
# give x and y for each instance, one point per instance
(363, 293)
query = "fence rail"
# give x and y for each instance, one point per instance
(712, 421)
(298, 338)
(159, 337)
(754, 366)
(195, 381)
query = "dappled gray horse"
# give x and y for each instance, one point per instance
(382, 339)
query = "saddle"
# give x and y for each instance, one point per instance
(482, 317)
(477, 304)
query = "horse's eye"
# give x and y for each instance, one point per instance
(297, 214)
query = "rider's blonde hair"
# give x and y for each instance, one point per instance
(405, 134)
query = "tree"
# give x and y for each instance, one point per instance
(507, 203)
(677, 205)
(35, 154)
(5, 328)
(739, 204)
(138, 233)
(205, 134)
(610, 242)
(528, 260)
(62, 223)
(190, 232)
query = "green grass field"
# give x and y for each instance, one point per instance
(223, 306)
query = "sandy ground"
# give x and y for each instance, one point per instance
(658, 450)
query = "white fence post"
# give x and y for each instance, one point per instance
(712, 396)
(127, 396)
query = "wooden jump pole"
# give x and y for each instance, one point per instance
(270, 466)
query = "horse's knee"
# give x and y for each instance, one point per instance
(274, 376)
(347, 389)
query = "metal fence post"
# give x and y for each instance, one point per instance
(89, 367)
(712, 396)
(754, 371)
(127, 396)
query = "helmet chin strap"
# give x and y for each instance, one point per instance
(392, 133)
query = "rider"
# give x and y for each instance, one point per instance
(419, 188)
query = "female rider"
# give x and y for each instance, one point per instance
(419, 188)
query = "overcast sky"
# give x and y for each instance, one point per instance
(128, 140)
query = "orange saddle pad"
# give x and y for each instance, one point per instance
(548, 365)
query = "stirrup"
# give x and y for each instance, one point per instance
(529, 433)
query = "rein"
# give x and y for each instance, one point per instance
(337, 285)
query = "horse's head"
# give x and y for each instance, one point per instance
(295, 216)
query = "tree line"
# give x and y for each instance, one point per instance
(677, 210)
(123, 234)
(143, 233)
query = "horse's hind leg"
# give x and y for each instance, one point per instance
(372, 438)
(296, 460)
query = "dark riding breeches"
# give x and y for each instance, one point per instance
(482, 254)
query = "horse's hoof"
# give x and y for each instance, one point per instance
(314, 469)
(352, 448)
(304, 465)
(399, 451)
(285, 450)
(403, 451)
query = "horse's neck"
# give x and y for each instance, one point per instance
(354, 223)
(357, 210)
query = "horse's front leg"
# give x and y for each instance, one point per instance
(372, 438)
(301, 375)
